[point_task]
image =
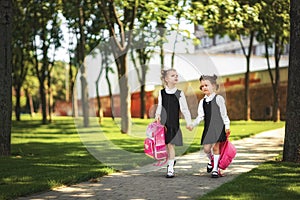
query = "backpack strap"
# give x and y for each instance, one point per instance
(220, 174)
(161, 162)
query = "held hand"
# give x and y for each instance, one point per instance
(227, 132)
(190, 127)
(157, 118)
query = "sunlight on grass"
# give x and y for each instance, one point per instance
(54, 183)
(17, 179)
(271, 180)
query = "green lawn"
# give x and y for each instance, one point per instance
(272, 180)
(64, 152)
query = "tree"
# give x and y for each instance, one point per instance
(120, 23)
(104, 49)
(291, 151)
(236, 19)
(21, 49)
(274, 31)
(5, 76)
(144, 42)
(73, 70)
(140, 56)
(106, 67)
(31, 89)
(161, 12)
(85, 23)
(47, 34)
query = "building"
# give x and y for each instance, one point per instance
(224, 45)
(230, 69)
(217, 55)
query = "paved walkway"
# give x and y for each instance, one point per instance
(191, 181)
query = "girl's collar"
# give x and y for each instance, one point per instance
(171, 89)
(211, 96)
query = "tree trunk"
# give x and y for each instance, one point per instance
(70, 80)
(277, 81)
(18, 103)
(124, 94)
(73, 90)
(141, 71)
(291, 151)
(84, 97)
(247, 96)
(112, 106)
(49, 97)
(161, 27)
(43, 102)
(43, 75)
(5, 77)
(99, 105)
(29, 102)
(276, 96)
(74, 101)
(247, 110)
(143, 102)
(84, 84)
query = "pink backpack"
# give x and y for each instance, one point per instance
(227, 154)
(154, 144)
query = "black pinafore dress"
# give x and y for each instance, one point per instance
(214, 127)
(170, 117)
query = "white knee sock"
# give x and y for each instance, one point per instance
(216, 162)
(171, 165)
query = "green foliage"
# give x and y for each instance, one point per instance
(275, 21)
(227, 17)
(155, 11)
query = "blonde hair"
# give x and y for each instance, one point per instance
(164, 73)
(212, 79)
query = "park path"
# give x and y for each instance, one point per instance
(191, 181)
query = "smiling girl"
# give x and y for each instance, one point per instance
(212, 110)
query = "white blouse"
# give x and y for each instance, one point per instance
(221, 103)
(182, 104)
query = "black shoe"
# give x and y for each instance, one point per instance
(170, 175)
(209, 168)
(215, 174)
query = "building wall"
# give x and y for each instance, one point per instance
(231, 88)
(63, 108)
(261, 95)
(261, 99)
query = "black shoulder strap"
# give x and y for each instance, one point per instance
(177, 94)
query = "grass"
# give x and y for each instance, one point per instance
(44, 157)
(270, 181)
(64, 152)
